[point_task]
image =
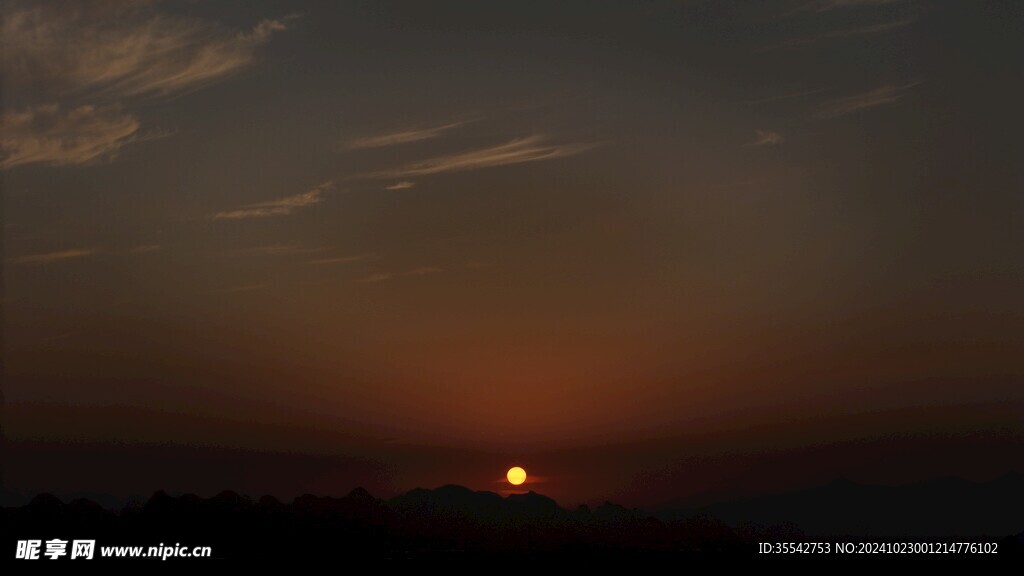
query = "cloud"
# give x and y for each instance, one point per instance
(787, 96)
(57, 137)
(280, 207)
(520, 150)
(402, 137)
(870, 29)
(279, 249)
(478, 264)
(872, 99)
(122, 48)
(847, 33)
(244, 288)
(91, 58)
(403, 185)
(767, 138)
(145, 249)
(339, 260)
(49, 257)
(829, 5)
(421, 271)
(377, 278)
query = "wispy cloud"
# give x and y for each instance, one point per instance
(339, 260)
(859, 102)
(381, 277)
(280, 207)
(529, 149)
(879, 28)
(787, 96)
(423, 271)
(279, 249)
(58, 137)
(49, 257)
(767, 138)
(401, 137)
(403, 185)
(122, 48)
(105, 54)
(871, 28)
(478, 264)
(244, 288)
(384, 276)
(829, 5)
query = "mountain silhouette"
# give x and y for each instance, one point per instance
(943, 507)
(456, 520)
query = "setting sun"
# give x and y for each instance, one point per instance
(516, 475)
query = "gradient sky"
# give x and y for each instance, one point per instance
(646, 250)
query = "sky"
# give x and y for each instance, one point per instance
(650, 251)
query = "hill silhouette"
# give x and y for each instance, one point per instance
(456, 520)
(944, 507)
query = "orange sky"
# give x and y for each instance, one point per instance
(439, 240)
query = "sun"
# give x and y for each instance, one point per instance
(516, 475)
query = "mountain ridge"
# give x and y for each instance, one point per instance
(453, 518)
